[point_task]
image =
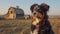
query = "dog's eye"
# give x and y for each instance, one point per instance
(34, 13)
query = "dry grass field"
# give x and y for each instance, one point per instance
(55, 23)
(23, 26)
(14, 26)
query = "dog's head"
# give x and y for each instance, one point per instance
(43, 8)
(37, 19)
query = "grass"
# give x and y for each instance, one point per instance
(14, 26)
(23, 26)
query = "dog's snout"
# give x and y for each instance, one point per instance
(38, 16)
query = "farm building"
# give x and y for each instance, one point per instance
(14, 13)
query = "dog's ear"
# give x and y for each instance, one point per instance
(32, 7)
(47, 7)
(44, 7)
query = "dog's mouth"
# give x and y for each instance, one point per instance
(35, 20)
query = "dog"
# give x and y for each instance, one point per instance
(36, 19)
(40, 26)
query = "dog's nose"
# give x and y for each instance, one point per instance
(38, 16)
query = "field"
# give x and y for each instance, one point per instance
(14, 26)
(23, 26)
(55, 23)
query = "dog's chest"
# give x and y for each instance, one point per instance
(35, 31)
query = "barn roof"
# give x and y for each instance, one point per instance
(19, 11)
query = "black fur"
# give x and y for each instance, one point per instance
(47, 27)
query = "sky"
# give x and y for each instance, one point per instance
(25, 5)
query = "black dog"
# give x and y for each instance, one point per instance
(46, 27)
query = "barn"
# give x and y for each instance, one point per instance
(19, 13)
(14, 13)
